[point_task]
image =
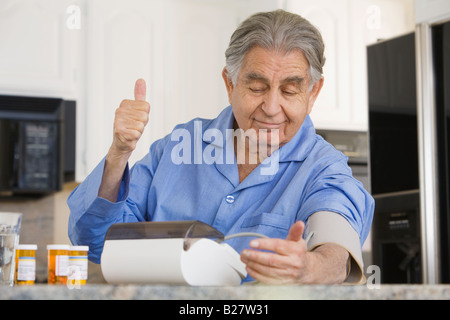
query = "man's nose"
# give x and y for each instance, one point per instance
(272, 103)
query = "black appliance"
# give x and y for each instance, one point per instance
(37, 144)
(394, 175)
(393, 160)
(441, 56)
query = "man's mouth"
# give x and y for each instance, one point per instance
(268, 125)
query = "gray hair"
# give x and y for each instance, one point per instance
(276, 30)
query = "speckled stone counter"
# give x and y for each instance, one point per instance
(246, 292)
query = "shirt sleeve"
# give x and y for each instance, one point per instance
(329, 227)
(91, 216)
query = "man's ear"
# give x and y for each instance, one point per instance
(314, 93)
(228, 83)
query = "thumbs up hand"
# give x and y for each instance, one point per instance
(130, 120)
(129, 123)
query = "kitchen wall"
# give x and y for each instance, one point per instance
(92, 51)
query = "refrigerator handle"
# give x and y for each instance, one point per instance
(427, 143)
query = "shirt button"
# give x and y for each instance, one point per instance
(229, 199)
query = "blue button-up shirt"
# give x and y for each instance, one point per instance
(177, 181)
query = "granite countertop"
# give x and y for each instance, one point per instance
(245, 292)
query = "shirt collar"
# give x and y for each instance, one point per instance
(297, 149)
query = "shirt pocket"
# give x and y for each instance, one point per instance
(270, 224)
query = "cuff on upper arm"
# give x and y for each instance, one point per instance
(330, 227)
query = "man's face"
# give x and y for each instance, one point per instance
(272, 93)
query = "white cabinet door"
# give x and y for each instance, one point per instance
(372, 21)
(124, 43)
(196, 40)
(347, 27)
(332, 108)
(432, 11)
(38, 52)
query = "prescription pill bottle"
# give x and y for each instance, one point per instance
(58, 263)
(78, 265)
(25, 264)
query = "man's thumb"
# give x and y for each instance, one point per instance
(140, 90)
(296, 231)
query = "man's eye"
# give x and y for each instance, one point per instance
(288, 93)
(257, 90)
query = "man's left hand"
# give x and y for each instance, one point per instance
(288, 261)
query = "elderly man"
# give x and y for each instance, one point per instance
(273, 76)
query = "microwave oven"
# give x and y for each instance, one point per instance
(37, 144)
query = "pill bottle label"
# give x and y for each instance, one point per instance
(78, 266)
(26, 270)
(61, 265)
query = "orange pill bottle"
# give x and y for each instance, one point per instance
(25, 264)
(78, 265)
(58, 263)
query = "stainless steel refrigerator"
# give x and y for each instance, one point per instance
(395, 123)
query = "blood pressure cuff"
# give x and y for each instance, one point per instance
(329, 227)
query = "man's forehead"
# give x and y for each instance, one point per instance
(259, 63)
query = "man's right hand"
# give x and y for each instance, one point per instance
(130, 121)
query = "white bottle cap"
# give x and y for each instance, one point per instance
(26, 247)
(58, 247)
(79, 248)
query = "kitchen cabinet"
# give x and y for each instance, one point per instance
(124, 42)
(38, 53)
(347, 27)
(432, 11)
